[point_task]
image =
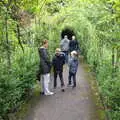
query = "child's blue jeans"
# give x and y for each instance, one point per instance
(72, 75)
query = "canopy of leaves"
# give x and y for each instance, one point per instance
(24, 23)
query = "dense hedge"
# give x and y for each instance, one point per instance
(17, 83)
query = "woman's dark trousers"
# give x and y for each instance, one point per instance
(60, 73)
(72, 75)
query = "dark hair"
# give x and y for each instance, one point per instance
(44, 41)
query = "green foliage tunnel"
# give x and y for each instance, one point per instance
(23, 24)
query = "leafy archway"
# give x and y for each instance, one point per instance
(96, 24)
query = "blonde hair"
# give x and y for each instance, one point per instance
(57, 50)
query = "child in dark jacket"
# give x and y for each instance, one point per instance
(73, 66)
(58, 62)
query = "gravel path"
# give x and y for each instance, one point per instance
(73, 104)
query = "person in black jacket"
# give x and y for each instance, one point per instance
(73, 45)
(58, 62)
(45, 67)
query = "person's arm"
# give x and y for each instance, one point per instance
(69, 46)
(45, 57)
(63, 59)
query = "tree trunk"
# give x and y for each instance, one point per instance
(18, 36)
(117, 59)
(7, 41)
(113, 61)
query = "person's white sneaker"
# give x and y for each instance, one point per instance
(50, 93)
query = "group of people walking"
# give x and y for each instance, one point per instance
(67, 53)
